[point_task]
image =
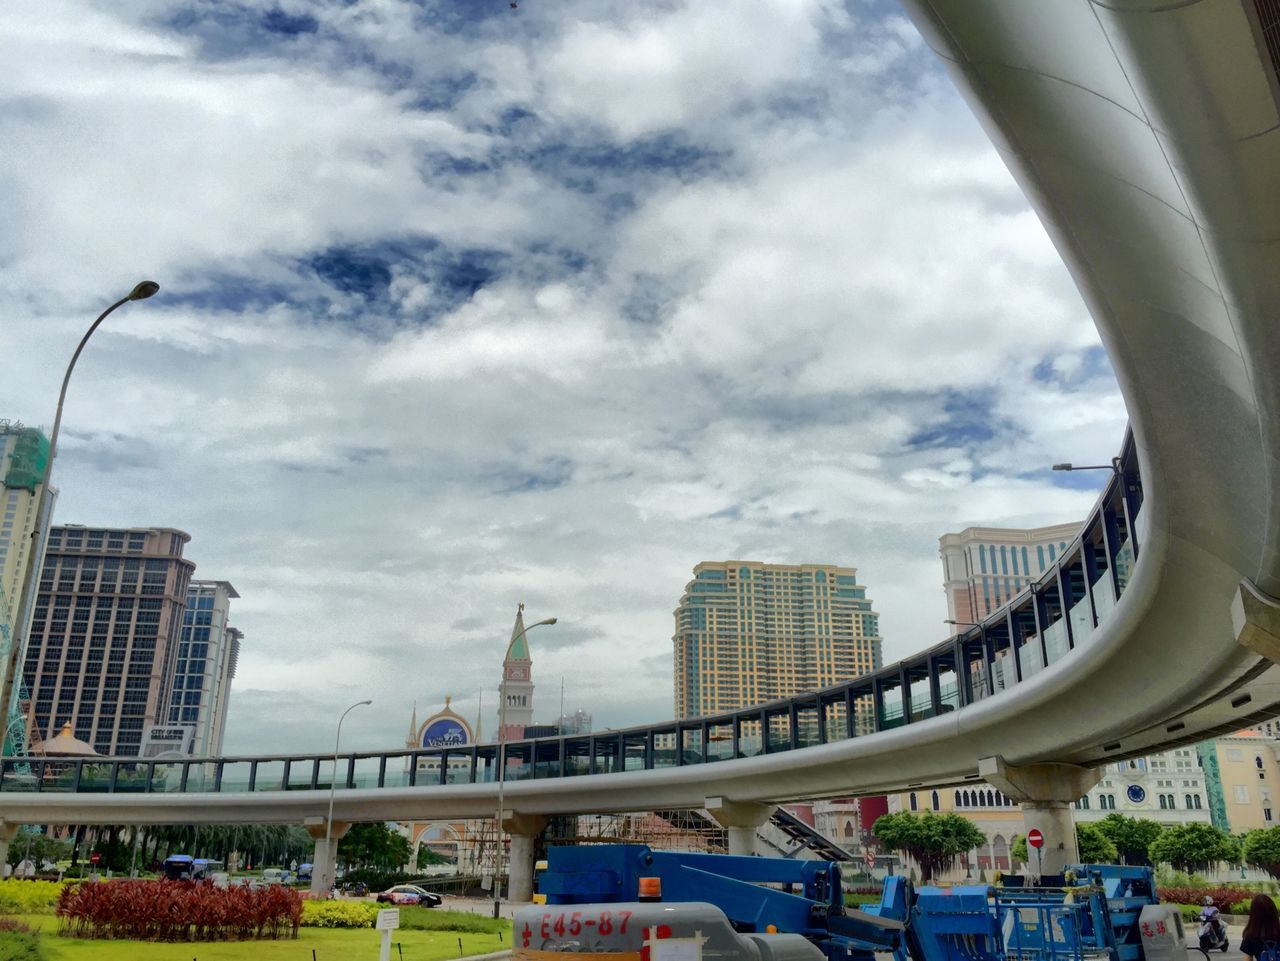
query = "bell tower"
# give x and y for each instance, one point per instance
(515, 711)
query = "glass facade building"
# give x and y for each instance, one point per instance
(208, 651)
(748, 632)
(104, 633)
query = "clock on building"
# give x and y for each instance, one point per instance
(1136, 793)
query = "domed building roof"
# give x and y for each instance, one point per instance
(446, 728)
(67, 744)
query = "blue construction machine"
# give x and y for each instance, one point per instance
(632, 903)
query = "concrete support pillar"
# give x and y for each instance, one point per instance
(742, 820)
(524, 830)
(7, 833)
(324, 863)
(1256, 619)
(1045, 792)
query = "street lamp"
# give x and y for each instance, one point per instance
(961, 623)
(330, 855)
(500, 756)
(1113, 466)
(147, 288)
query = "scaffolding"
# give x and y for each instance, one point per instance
(15, 725)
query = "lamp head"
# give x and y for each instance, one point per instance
(1062, 467)
(550, 620)
(148, 288)
(370, 701)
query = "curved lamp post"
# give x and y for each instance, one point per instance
(147, 288)
(501, 757)
(330, 854)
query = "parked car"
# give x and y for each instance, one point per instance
(409, 894)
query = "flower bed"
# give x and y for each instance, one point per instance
(178, 911)
(1223, 897)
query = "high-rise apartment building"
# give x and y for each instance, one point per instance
(208, 650)
(984, 567)
(748, 632)
(23, 452)
(105, 632)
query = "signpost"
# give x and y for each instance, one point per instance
(1035, 840)
(388, 921)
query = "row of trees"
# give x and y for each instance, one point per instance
(121, 848)
(936, 841)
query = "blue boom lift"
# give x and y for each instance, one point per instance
(780, 909)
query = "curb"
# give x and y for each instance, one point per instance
(494, 956)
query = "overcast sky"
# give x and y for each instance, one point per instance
(464, 305)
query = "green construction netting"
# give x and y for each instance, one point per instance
(26, 466)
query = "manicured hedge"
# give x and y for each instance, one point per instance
(339, 914)
(178, 911)
(18, 896)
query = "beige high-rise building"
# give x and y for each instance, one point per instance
(984, 567)
(105, 633)
(22, 459)
(748, 632)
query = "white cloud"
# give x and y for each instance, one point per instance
(731, 349)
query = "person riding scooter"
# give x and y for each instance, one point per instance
(1213, 933)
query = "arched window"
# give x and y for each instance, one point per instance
(848, 829)
(913, 801)
(1084, 802)
(1196, 799)
(991, 801)
(958, 799)
(1188, 800)
(1172, 805)
(1257, 759)
(1164, 805)
(935, 801)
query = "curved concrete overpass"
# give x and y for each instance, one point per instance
(1147, 135)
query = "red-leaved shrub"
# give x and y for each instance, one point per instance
(178, 911)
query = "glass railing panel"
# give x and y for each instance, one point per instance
(607, 754)
(692, 750)
(366, 772)
(270, 776)
(1081, 622)
(1004, 673)
(749, 740)
(1124, 564)
(864, 714)
(486, 764)
(201, 777)
(235, 776)
(921, 699)
(519, 762)
(1104, 597)
(1030, 655)
(807, 725)
(58, 777)
(398, 769)
(720, 741)
(131, 778)
(635, 748)
(166, 777)
(300, 774)
(779, 734)
(17, 775)
(547, 759)
(1056, 642)
(891, 713)
(577, 756)
(949, 688)
(664, 748)
(428, 771)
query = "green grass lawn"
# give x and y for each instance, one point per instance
(329, 944)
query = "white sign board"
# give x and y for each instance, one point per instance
(388, 919)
